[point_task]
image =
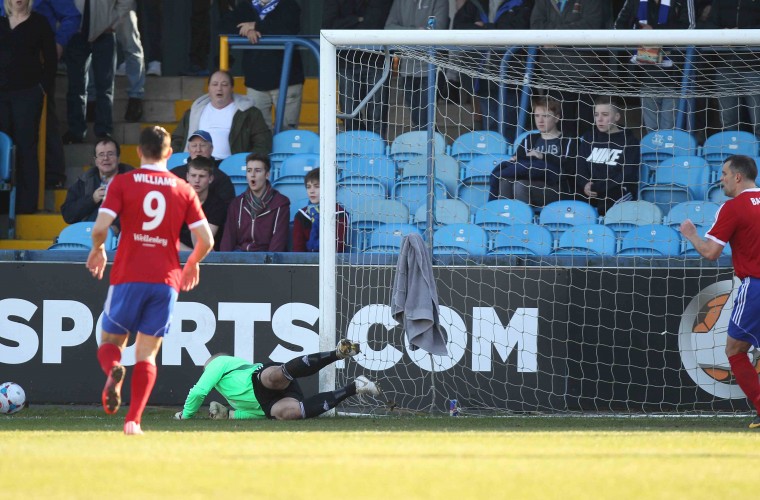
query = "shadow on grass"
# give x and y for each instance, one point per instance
(160, 419)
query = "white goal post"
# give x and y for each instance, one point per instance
(655, 305)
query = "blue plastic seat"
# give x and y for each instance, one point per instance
(460, 239)
(476, 175)
(381, 168)
(389, 237)
(446, 212)
(479, 142)
(587, 239)
(7, 162)
(659, 145)
(701, 213)
(177, 160)
(357, 194)
(496, 214)
(522, 239)
(359, 143)
(297, 204)
(651, 240)
(412, 191)
(368, 217)
(721, 145)
(234, 166)
(560, 215)
(411, 145)
(296, 167)
(78, 236)
(446, 170)
(678, 179)
(624, 216)
(291, 142)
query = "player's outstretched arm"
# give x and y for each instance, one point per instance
(706, 248)
(191, 273)
(96, 261)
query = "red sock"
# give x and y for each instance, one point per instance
(109, 355)
(747, 378)
(143, 380)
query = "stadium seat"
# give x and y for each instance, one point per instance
(721, 145)
(381, 168)
(411, 145)
(476, 143)
(177, 160)
(78, 236)
(290, 142)
(297, 204)
(389, 237)
(296, 166)
(587, 239)
(560, 215)
(368, 217)
(688, 249)
(522, 239)
(496, 214)
(359, 143)
(678, 179)
(460, 239)
(7, 165)
(473, 188)
(446, 212)
(701, 213)
(651, 240)
(234, 166)
(446, 170)
(412, 191)
(659, 145)
(357, 194)
(622, 217)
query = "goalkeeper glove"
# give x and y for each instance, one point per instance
(217, 411)
(178, 415)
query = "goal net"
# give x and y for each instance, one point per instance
(548, 174)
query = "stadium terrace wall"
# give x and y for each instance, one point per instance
(605, 339)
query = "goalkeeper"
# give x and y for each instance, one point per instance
(271, 390)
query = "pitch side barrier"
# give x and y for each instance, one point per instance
(547, 341)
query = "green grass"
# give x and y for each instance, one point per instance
(54, 452)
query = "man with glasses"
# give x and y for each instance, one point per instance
(86, 194)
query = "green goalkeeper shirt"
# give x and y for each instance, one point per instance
(232, 378)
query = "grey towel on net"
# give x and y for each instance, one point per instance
(415, 297)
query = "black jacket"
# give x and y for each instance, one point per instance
(345, 14)
(79, 205)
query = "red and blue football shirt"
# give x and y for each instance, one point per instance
(738, 222)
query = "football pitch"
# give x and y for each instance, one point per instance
(60, 452)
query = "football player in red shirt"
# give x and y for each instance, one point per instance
(152, 204)
(738, 223)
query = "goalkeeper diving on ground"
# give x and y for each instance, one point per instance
(256, 390)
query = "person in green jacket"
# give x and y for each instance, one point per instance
(256, 390)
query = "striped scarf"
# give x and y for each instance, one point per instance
(662, 17)
(256, 206)
(264, 8)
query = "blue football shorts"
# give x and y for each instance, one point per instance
(745, 318)
(139, 307)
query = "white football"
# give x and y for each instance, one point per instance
(12, 398)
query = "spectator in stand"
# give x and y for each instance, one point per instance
(738, 70)
(262, 68)
(64, 19)
(306, 222)
(28, 63)
(149, 21)
(409, 15)
(95, 44)
(257, 220)
(579, 68)
(657, 67)
(508, 15)
(200, 145)
(359, 71)
(128, 36)
(232, 120)
(533, 175)
(200, 176)
(84, 197)
(607, 159)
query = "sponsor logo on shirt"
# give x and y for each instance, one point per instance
(605, 155)
(150, 240)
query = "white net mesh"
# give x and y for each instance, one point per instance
(563, 280)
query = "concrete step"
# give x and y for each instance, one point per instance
(168, 88)
(39, 226)
(25, 244)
